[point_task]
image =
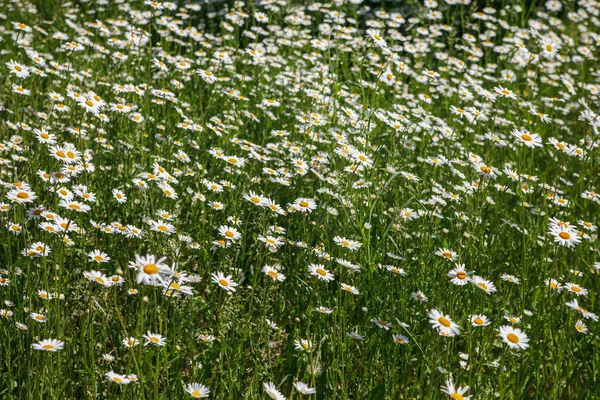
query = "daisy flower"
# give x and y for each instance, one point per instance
(574, 305)
(320, 272)
(98, 256)
(376, 38)
(149, 269)
(459, 275)
(117, 378)
(52, 345)
(223, 281)
(347, 243)
(229, 233)
(130, 342)
(273, 273)
(401, 339)
(565, 236)
(577, 289)
(119, 196)
(455, 392)
(349, 288)
(443, 322)
(479, 320)
(303, 388)
(303, 344)
(304, 205)
(581, 327)
(526, 138)
(197, 390)
(272, 391)
(514, 337)
(155, 339)
(447, 254)
(18, 69)
(483, 284)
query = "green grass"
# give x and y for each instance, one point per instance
(460, 138)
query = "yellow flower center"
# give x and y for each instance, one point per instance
(444, 321)
(223, 282)
(564, 235)
(150, 269)
(512, 338)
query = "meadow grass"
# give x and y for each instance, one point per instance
(279, 199)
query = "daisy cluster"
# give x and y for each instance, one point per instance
(274, 198)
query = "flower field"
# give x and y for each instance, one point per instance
(299, 200)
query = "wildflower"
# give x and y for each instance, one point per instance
(401, 339)
(225, 282)
(320, 272)
(377, 38)
(304, 205)
(303, 388)
(349, 288)
(528, 139)
(229, 233)
(459, 275)
(272, 391)
(479, 320)
(98, 256)
(150, 269)
(440, 321)
(381, 323)
(130, 342)
(581, 327)
(514, 337)
(119, 196)
(483, 284)
(197, 390)
(447, 254)
(347, 243)
(155, 339)
(565, 236)
(52, 345)
(117, 378)
(20, 70)
(455, 392)
(577, 289)
(303, 344)
(273, 273)
(585, 313)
